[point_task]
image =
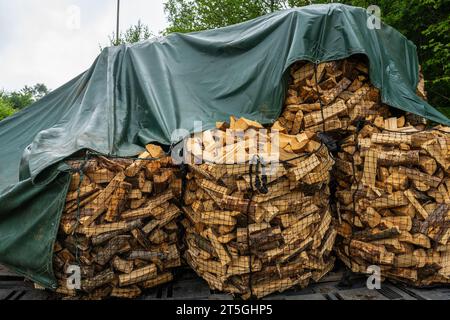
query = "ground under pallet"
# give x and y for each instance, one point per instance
(188, 286)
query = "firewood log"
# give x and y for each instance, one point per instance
(400, 203)
(341, 96)
(120, 227)
(254, 228)
(392, 176)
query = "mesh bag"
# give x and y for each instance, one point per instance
(332, 96)
(394, 203)
(391, 175)
(119, 226)
(256, 227)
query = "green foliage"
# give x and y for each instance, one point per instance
(19, 99)
(197, 15)
(38, 91)
(6, 109)
(427, 24)
(435, 53)
(11, 102)
(26, 96)
(424, 22)
(133, 34)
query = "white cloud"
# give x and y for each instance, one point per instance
(38, 45)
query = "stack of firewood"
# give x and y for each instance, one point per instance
(257, 206)
(394, 203)
(392, 176)
(119, 226)
(256, 199)
(332, 96)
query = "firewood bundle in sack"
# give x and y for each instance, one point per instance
(333, 96)
(391, 172)
(119, 226)
(257, 208)
(394, 203)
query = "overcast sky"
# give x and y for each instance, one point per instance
(46, 41)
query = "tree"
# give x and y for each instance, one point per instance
(190, 15)
(425, 22)
(18, 99)
(133, 34)
(38, 91)
(197, 15)
(6, 108)
(11, 102)
(26, 96)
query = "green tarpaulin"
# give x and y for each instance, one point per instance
(136, 94)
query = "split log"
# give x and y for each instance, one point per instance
(120, 215)
(392, 176)
(400, 217)
(252, 219)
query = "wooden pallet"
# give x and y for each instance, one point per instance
(188, 286)
(14, 287)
